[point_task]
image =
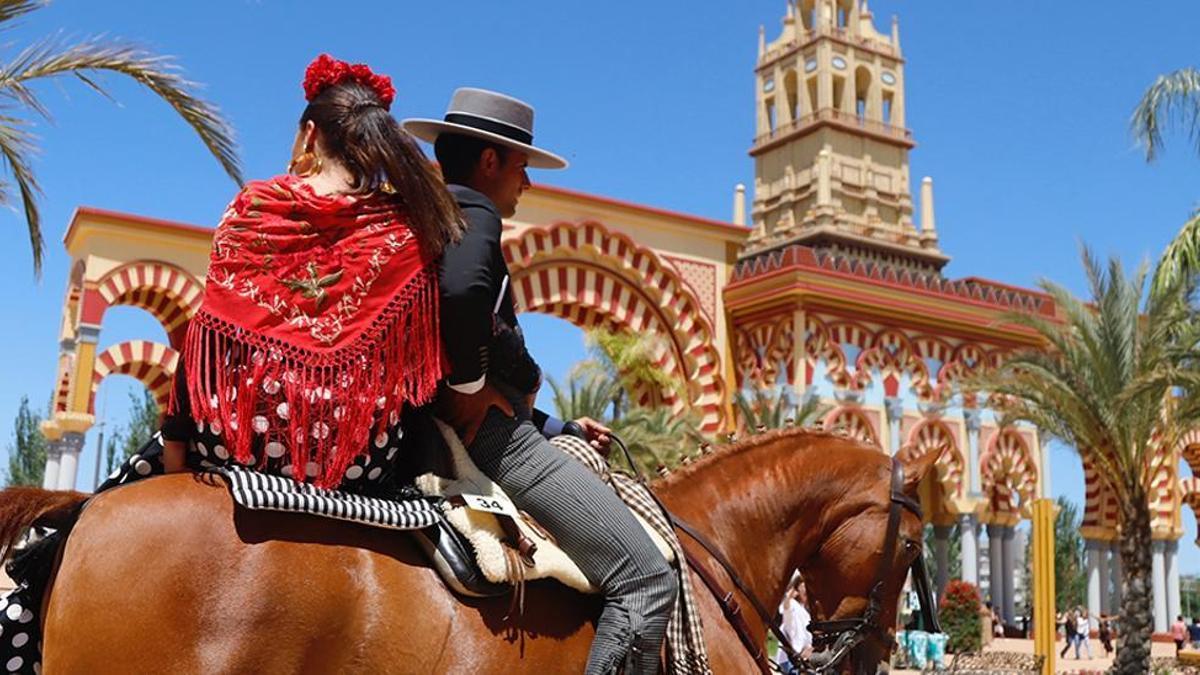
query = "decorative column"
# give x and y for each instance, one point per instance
(894, 406)
(1158, 578)
(1174, 608)
(1115, 548)
(973, 420)
(969, 527)
(1008, 573)
(1094, 552)
(941, 557)
(53, 437)
(1106, 595)
(995, 565)
(72, 445)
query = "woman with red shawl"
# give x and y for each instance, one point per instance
(319, 324)
(320, 320)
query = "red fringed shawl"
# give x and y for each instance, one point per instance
(320, 313)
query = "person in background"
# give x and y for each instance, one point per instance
(1179, 633)
(1194, 632)
(1068, 622)
(1105, 635)
(988, 616)
(794, 610)
(1083, 627)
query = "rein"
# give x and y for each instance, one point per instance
(844, 634)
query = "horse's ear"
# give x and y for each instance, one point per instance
(916, 469)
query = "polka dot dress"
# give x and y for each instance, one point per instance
(20, 633)
(20, 627)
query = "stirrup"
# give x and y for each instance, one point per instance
(454, 560)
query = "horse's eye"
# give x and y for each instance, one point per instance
(910, 545)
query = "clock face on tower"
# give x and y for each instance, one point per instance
(810, 65)
(839, 63)
(888, 78)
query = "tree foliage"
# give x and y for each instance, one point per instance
(1110, 384)
(27, 451)
(1070, 571)
(603, 388)
(774, 409)
(144, 419)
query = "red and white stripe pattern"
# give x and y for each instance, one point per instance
(763, 350)
(166, 291)
(151, 363)
(851, 421)
(591, 276)
(1100, 507)
(1008, 473)
(932, 435)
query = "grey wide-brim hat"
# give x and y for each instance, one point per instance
(494, 117)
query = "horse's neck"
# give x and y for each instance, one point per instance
(762, 506)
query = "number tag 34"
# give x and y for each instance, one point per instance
(482, 503)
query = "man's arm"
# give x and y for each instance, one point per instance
(468, 297)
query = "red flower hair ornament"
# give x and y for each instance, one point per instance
(326, 71)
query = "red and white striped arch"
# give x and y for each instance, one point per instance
(1100, 505)
(851, 421)
(764, 351)
(932, 435)
(168, 292)
(1008, 473)
(592, 277)
(151, 363)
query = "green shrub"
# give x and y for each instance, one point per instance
(959, 612)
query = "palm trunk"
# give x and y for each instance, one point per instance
(1137, 619)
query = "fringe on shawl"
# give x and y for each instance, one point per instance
(322, 407)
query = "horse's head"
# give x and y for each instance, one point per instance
(859, 568)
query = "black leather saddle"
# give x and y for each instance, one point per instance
(454, 559)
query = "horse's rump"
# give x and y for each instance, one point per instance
(166, 575)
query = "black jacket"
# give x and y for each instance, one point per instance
(479, 321)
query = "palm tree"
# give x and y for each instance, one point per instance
(773, 409)
(585, 394)
(1101, 389)
(1173, 99)
(630, 359)
(84, 60)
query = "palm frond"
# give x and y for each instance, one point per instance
(159, 74)
(11, 9)
(1180, 260)
(1172, 98)
(51, 58)
(1109, 366)
(16, 147)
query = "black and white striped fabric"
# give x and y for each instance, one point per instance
(264, 492)
(686, 651)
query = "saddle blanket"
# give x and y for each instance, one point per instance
(262, 492)
(476, 520)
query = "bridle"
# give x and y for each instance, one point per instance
(840, 637)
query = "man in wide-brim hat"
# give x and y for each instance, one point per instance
(484, 144)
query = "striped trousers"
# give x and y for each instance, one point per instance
(596, 529)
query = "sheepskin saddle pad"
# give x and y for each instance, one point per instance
(509, 546)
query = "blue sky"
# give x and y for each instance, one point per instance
(1019, 110)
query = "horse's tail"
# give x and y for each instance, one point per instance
(24, 507)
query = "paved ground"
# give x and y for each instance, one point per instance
(1098, 664)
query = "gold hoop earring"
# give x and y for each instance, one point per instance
(305, 165)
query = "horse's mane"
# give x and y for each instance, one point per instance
(720, 452)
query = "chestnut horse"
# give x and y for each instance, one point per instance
(165, 575)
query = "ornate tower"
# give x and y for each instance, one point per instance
(831, 147)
